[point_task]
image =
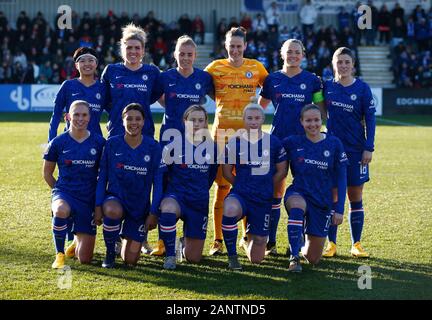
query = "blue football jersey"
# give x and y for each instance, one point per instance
(347, 107)
(128, 174)
(192, 176)
(289, 95)
(78, 164)
(125, 86)
(181, 93)
(255, 165)
(314, 166)
(72, 90)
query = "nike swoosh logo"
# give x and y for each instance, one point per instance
(171, 84)
(118, 154)
(75, 94)
(241, 153)
(66, 151)
(118, 77)
(300, 149)
(181, 156)
(330, 92)
(276, 86)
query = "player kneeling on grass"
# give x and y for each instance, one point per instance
(130, 166)
(77, 153)
(316, 160)
(260, 163)
(187, 192)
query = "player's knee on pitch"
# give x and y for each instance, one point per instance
(130, 258)
(232, 207)
(193, 257)
(61, 210)
(169, 205)
(257, 249)
(113, 211)
(355, 193)
(85, 248)
(85, 258)
(295, 201)
(312, 258)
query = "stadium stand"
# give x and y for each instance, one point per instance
(31, 51)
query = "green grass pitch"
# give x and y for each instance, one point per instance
(397, 233)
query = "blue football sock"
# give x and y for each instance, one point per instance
(230, 232)
(168, 231)
(111, 231)
(332, 233)
(356, 220)
(295, 230)
(70, 235)
(274, 219)
(59, 226)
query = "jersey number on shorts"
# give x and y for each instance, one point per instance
(363, 169)
(204, 227)
(266, 221)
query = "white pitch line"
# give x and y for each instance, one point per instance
(399, 122)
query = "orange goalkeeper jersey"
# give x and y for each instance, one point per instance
(234, 88)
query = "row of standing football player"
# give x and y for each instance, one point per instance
(348, 101)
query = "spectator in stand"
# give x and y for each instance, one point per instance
(70, 46)
(418, 13)
(221, 30)
(405, 76)
(355, 16)
(399, 32)
(422, 78)
(384, 23)
(68, 71)
(343, 19)
(275, 61)
(251, 49)
(124, 19)
(2, 73)
(20, 57)
(55, 78)
(198, 29)
(98, 24)
(160, 46)
(246, 22)
(323, 55)
(327, 73)
(422, 34)
(151, 23)
(398, 12)
(411, 31)
(284, 34)
(3, 20)
(371, 33)
(262, 57)
(45, 71)
(23, 19)
(185, 25)
(308, 16)
(346, 38)
(273, 38)
(273, 16)
(233, 23)
(18, 73)
(259, 24)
